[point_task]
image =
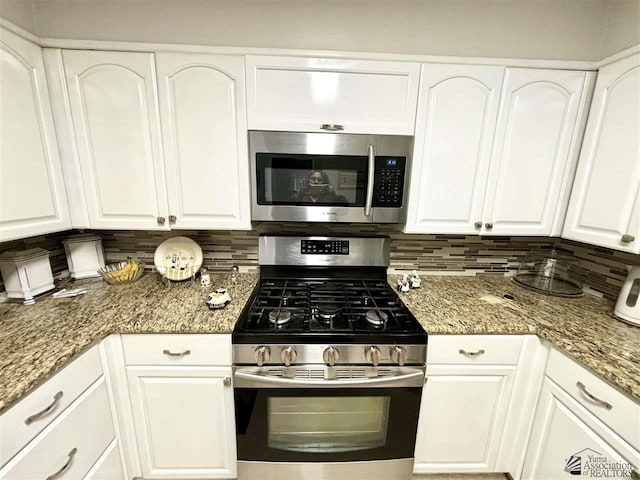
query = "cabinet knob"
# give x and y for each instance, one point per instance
(172, 219)
(160, 220)
(488, 225)
(626, 238)
(331, 127)
(226, 381)
(478, 224)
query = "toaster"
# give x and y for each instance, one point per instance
(628, 304)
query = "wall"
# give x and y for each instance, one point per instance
(601, 269)
(622, 27)
(541, 29)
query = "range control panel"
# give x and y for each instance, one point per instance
(388, 185)
(324, 247)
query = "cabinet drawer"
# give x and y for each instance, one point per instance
(47, 402)
(624, 415)
(474, 349)
(108, 466)
(76, 439)
(170, 349)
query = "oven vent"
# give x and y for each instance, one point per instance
(351, 373)
(309, 373)
(275, 372)
(384, 372)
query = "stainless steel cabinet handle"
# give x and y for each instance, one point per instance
(172, 219)
(478, 224)
(369, 200)
(471, 354)
(65, 467)
(46, 411)
(160, 220)
(331, 127)
(592, 397)
(226, 381)
(626, 238)
(488, 225)
(176, 354)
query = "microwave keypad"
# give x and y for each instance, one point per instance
(389, 179)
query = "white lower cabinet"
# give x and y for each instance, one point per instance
(569, 441)
(108, 466)
(184, 421)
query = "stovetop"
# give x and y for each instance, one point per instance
(300, 310)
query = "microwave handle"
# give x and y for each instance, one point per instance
(369, 200)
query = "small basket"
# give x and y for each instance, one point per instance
(122, 272)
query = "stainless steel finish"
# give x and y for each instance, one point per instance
(176, 354)
(323, 144)
(226, 381)
(65, 467)
(478, 224)
(373, 355)
(626, 238)
(471, 354)
(370, 178)
(317, 376)
(349, 354)
(365, 252)
(288, 356)
(381, 469)
(261, 355)
(488, 225)
(46, 411)
(160, 220)
(398, 355)
(331, 127)
(172, 219)
(330, 356)
(593, 398)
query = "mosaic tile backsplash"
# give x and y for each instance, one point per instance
(601, 269)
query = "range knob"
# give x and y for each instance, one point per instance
(399, 355)
(373, 355)
(330, 356)
(288, 356)
(261, 355)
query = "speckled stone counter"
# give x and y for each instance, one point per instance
(37, 340)
(583, 328)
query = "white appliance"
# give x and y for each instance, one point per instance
(85, 255)
(26, 273)
(628, 305)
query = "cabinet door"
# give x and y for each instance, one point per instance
(565, 438)
(204, 130)
(535, 151)
(462, 417)
(455, 126)
(32, 195)
(605, 201)
(115, 117)
(359, 96)
(184, 421)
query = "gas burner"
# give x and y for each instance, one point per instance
(280, 317)
(328, 312)
(376, 318)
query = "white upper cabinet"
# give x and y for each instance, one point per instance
(322, 94)
(115, 118)
(32, 195)
(605, 201)
(202, 107)
(454, 130)
(535, 151)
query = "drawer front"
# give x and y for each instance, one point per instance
(71, 444)
(43, 405)
(623, 416)
(474, 349)
(108, 466)
(172, 349)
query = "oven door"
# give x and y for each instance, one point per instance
(297, 420)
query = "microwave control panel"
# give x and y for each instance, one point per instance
(324, 247)
(388, 185)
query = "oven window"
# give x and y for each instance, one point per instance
(327, 424)
(322, 180)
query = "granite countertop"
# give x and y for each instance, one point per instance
(36, 341)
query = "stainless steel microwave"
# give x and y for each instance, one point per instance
(323, 177)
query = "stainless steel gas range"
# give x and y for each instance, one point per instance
(329, 365)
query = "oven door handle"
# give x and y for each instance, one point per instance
(370, 180)
(253, 380)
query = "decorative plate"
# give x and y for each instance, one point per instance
(178, 258)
